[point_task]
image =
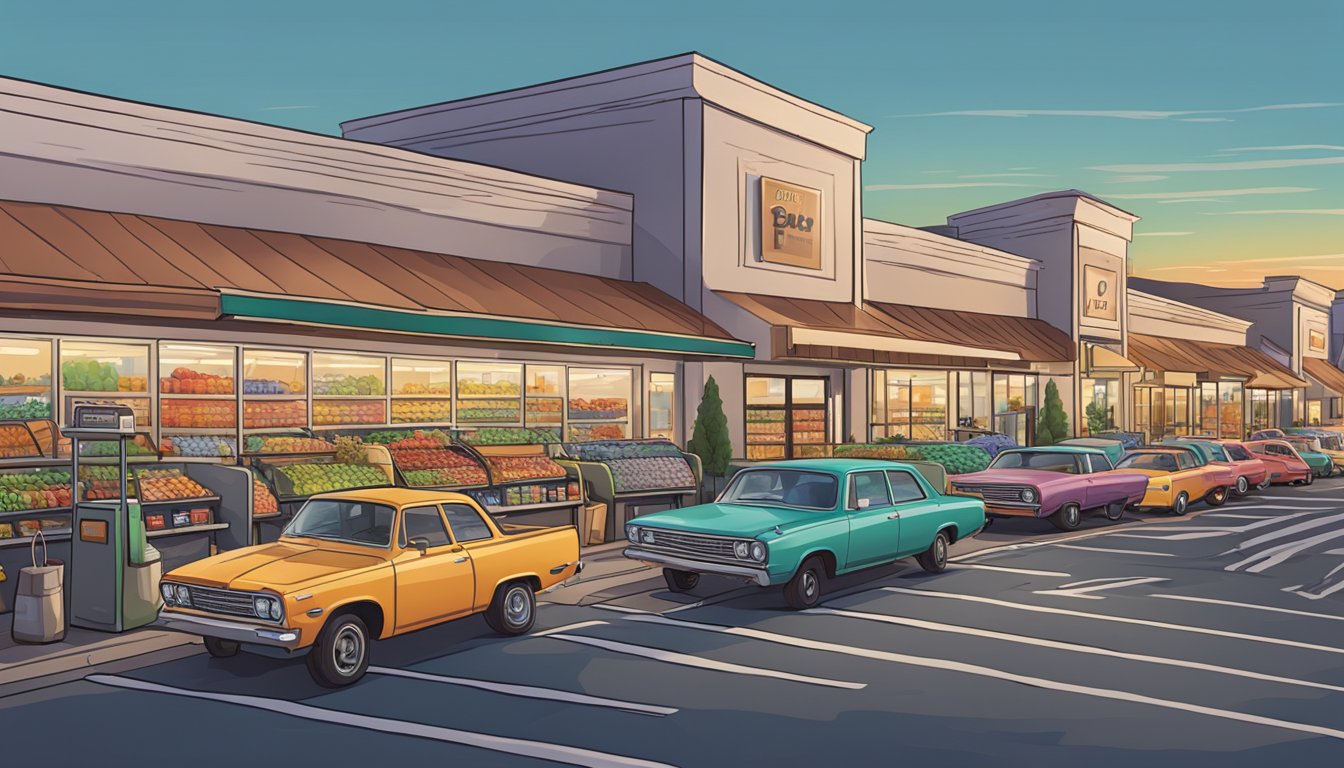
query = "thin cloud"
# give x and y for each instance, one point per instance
(932, 173)
(897, 187)
(1122, 114)
(1287, 148)
(1024, 168)
(1211, 193)
(1188, 200)
(1005, 175)
(1238, 165)
(1134, 179)
(1162, 234)
(1206, 120)
(1283, 212)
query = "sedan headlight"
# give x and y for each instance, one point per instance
(759, 551)
(742, 549)
(266, 607)
(1028, 495)
(183, 594)
(632, 533)
(168, 595)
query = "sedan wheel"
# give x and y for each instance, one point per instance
(804, 589)
(1068, 518)
(341, 654)
(934, 559)
(1217, 497)
(1243, 486)
(513, 609)
(1115, 510)
(1181, 504)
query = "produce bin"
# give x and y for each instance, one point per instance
(192, 511)
(527, 486)
(294, 465)
(429, 459)
(35, 495)
(633, 477)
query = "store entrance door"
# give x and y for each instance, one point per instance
(788, 417)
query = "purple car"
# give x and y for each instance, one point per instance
(1056, 483)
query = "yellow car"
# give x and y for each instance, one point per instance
(1178, 477)
(365, 565)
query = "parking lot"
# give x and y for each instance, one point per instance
(1211, 637)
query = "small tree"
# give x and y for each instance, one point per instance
(709, 436)
(1097, 419)
(1053, 424)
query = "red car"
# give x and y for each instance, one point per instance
(1250, 471)
(1284, 465)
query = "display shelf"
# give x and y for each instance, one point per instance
(292, 396)
(426, 397)
(175, 396)
(181, 502)
(624, 420)
(107, 394)
(170, 431)
(514, 396)
(15, 390)
(343, 397)
(504, 510)
(27, 541)
(201, 528)
(28, 514)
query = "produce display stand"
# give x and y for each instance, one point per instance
(633, 477)
(193, 510)
(294, 466)
(35, 495)
(429, 459)
(527, 486)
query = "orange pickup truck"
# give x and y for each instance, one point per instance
(357, 566)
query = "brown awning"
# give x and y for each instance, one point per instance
(896, 334)
(62, 259)
(1211, 362)
(1325, 374)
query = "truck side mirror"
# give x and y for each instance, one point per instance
(421, 543)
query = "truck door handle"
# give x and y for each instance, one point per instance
(460, 560)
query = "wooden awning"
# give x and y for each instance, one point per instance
(1211, 362)
(61, 259)
(1325, 374)
(894, 334)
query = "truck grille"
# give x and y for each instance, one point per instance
(710, 547)
(222, 601)
(994, 493)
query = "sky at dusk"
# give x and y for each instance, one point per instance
(1221, 124)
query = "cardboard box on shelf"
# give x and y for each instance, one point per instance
(594, 524)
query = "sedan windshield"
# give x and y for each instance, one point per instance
(354, 522)
(1043, 460)
(1238, 453)
(1162, 462)
(785, 487)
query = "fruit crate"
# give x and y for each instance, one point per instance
(297, 478)
(287, 443)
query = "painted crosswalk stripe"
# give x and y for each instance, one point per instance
(1085, 593)
(566, 628)
(687, 660)
(1268, 558)
(1175, 536)
(1116, 551)
(1039, 642)
(526, 691)
(1283, 533)
(950, 665)
(1232, 516)
(1253, 606)
(540, 750)
(1005, 569)
(1116, 619)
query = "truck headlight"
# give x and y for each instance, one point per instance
(183, 595)
(758, 551)
(632, 534)
(742, 549)
(1028, 495)
(266, 607)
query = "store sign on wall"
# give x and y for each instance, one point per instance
(1099, 293)
(790, 224)
(1315, 341)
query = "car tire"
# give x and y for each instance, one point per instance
(1217, 497)
(804, 589)
(1067, 517)
(1311, 478)
(934, 559)
(1115, 510)
(221, 648)
(1329, 471)
(680, 581)
(513, 609)
(1181, 505)
(340, 656)
(1243, 486)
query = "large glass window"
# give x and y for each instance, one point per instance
(787, 417)
(198, 400)
(95, 370)
(25, 379)
(349, 390)
(545, 400)
(1015, 406)
(973, 399)
(662, 405)
(1143, 411)
(490, 393)
(1164, 411)
(1101, 404)
(599, 403)
(275, 389)
(1221, 408)
(910, 404)
(422, 391)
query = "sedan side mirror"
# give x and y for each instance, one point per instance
(865, 503)
(421, 543)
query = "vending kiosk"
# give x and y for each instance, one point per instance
(114, 572)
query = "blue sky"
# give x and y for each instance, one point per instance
(1220, 123)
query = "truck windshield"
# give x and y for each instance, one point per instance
(353, 522)
(1045, 460)
(785, 487)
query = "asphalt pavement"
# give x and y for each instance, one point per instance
(1217, 638)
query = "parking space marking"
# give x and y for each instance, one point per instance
(687, 660)
(1233, 516)
(527, 691)
(621, 608)
(540, 750)
(1116, 551)
(990, 672)
(1005, 569)
(1039, 642)
(1085, 593)
(1234, 604)
(1175, 536)
(1283, 533)
(1116, 619)
(566, 628)
(1282, 553)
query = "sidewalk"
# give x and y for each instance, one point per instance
(24, 667)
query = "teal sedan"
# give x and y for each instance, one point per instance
(796, 523)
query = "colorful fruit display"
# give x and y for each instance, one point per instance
(653, 473)
(956, 458)
(309, 479)
(137, 446)
(329, 413)
(598, 408)
(184, 381)
(272, 387)
(586, 432)
(468, 388)
(168, 485)
(32, 408)
(422, 411)
(511, 469)
(606, 450)
(287, 444)
(544, 410)
(507, 436)
(345, 384)
(34, 489)
(481, 411)
(264, 503)
(438, 467)
(93, 376)
(198, 414)
(100, 482)
(266, 414)
(198, 446)
(412, 388)
(17, 442)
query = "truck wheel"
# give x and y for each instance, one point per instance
(1115, 510)
(934, 559)
(804, 589)
(1181, 504)
(513, 610)
(680, 581)
(341, 654)
(1216, 497)
(1067, 518)
(220, 648)
(1243, 486)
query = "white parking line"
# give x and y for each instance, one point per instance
(1175, 536)
(997, 674)
(1212, 601)
(527, 691)
(687, 660)
(1276, 555)
(566, 628)
(1104, 617)
(621, 608)
(1038, 642)
(540, 750)
(1283, 533)
(1232, 516)
(1116, 551)
(1005, 569)
(1084, 593)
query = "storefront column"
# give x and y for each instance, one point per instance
(854, 414)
